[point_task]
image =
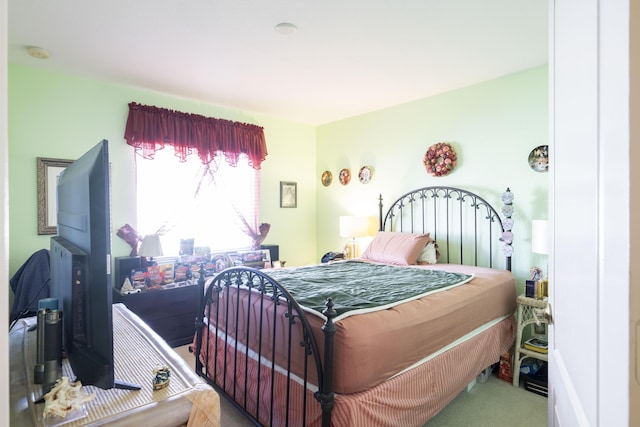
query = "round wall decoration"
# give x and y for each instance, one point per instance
(345, 176)
(440, 159)
(326, 179)
(539, 159)
(365, 174)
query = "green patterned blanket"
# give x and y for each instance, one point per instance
(357, 286)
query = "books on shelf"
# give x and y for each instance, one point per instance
(537, 343)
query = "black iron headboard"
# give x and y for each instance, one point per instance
(464, 225)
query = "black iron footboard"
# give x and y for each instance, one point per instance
(255, 345)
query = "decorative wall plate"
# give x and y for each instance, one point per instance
(327, 178)
(345, 176)
(539, 158)
(365, 174)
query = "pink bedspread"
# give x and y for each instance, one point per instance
(370, 348)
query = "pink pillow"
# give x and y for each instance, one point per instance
(396, 248)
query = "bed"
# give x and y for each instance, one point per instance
(387, 339)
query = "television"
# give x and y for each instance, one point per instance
(80, 263)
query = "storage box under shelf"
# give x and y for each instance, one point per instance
(538, 383)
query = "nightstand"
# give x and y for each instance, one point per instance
(529, 309)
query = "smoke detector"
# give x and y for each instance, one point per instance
(38, 52)
(286, 28)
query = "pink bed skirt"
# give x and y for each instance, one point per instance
(409, 399)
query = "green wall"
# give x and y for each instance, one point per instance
(62, 116)
(493, 126)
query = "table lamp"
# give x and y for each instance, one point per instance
(149, 248)
(353, 227)
(540, 244)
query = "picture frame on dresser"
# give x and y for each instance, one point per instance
(48, 170)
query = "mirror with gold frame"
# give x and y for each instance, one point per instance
(48, 171)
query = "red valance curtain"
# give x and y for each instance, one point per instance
(150, 128)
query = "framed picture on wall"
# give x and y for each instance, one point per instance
(288, 194)
(48, 172)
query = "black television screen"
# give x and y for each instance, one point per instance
(81, 267)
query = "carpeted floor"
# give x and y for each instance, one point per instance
(492, 404)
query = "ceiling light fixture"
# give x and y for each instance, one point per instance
(286, 28)
(38, 52)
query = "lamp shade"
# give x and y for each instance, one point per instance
(150, 246)
(354, 226)
(540, 236)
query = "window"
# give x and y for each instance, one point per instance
(181, 200)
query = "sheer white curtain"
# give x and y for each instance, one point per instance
(217, 207)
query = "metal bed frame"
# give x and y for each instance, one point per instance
(411, 213)
(447, 213)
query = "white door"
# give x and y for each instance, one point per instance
(589, 203)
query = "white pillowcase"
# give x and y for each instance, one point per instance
(428, 254)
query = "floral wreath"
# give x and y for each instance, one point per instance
(440, 159)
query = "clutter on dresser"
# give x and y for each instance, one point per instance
(166, 294)
(133, 275)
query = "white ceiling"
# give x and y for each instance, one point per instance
(348, 57)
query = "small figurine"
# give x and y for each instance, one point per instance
(347, 250)
(536, 273)
(127, 288)
(161, 377)
(131, 236)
